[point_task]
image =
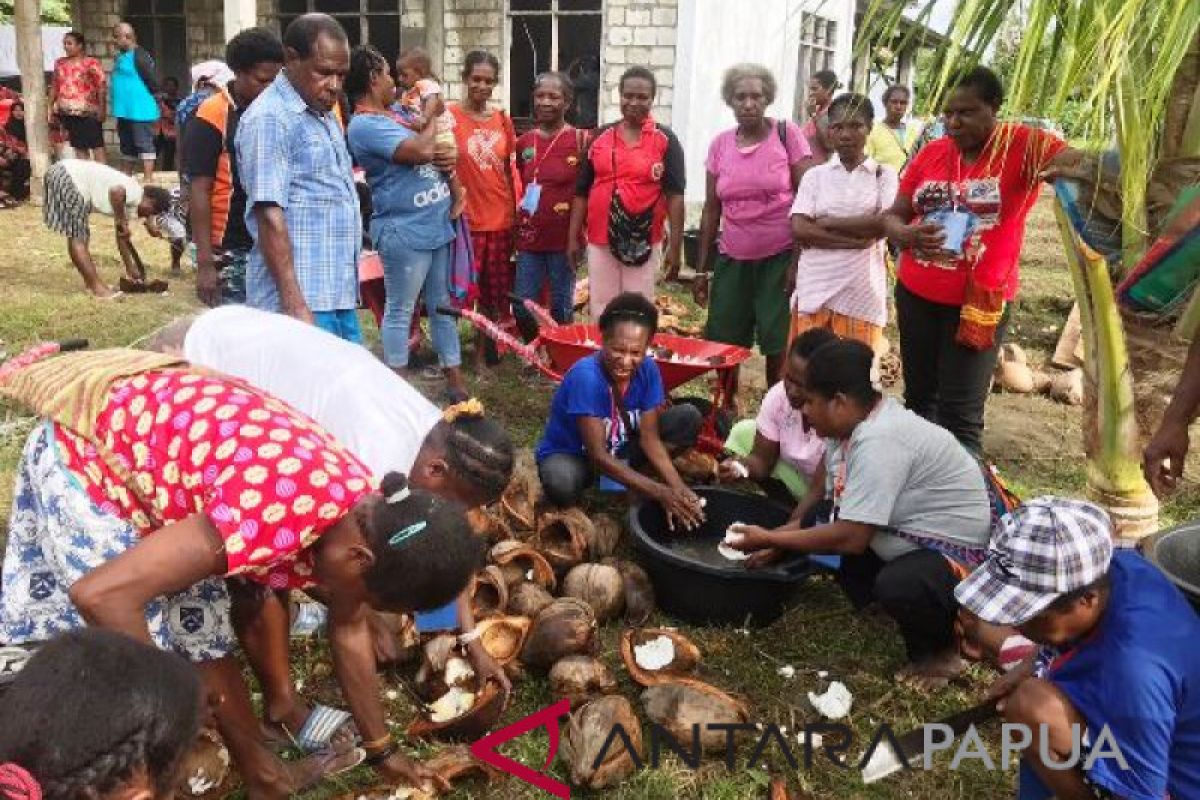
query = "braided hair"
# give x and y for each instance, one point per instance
(90, 712)
(477, 448)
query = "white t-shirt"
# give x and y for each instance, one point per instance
(367, 407)
(94, 180)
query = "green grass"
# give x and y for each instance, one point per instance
(1036, 442)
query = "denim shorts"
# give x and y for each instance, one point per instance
(137, 139)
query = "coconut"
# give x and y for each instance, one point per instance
(526, 599)
(523, 561)
(502, 637)
(489, 525)
(1013, 353)
(598, 585)
(687, 706)
(456, 764)
(463, 715)
(519, 499)
(489, 592)
(586, 735)
(205, 766)
(580, 679)
(1067, 387)
(1014, 377)
(696, 467)
(1041, 382)
(604, 537)
(639, 592)
(562, 537)
(430, 681)
(565, 627)
(640, 650)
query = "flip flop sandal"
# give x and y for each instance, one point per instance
(322, 725)
(12, 661)
(310, 620)
(353, 759)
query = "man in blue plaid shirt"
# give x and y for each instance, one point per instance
(302, 208)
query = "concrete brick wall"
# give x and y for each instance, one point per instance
(469, 25)
(639, 33)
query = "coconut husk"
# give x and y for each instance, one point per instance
(696, 467)
(564, 628)
(519, 499)
(683, 665)
(1067, 387)
(1012, 376)
(588, 730)
(684, 705)
(604, 537)
(502, 637)
(639, 592)
(1013, 353)
(394, 637)
(430, 678)
(562, 537)
(669, 305)
(580, 679)
(205, 766)
(489, 592)
(481, 718)
(489, 525)
(598, 585)
(455, 764)
(1041, 382)
(526, 599)
(529, 563)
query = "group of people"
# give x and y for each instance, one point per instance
(263, 449)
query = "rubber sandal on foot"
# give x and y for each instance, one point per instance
(322, 725)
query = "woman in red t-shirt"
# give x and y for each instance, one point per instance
(548, 158)
(642, 164)
(79, 97)
(951, 307)
(487, 144)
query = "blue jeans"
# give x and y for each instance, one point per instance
(405, 273)
(532, 271)
(342, 323)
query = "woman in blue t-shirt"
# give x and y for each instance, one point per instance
(410, 223)
(606, 418)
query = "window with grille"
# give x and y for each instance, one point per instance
(563, 35)
(818, 45)
(161, 28)
(375, 22)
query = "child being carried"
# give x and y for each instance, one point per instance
(419, 104)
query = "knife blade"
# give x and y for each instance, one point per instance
(886, 761)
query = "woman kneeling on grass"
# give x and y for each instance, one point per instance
(606, 416)
(910, 510)
(127, 715)
(133, 507)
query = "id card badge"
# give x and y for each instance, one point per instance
(531, 198)
(439, 619)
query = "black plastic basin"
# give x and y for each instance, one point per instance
(703, 590)
(1176, 551)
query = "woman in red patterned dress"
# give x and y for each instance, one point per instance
(78, 97)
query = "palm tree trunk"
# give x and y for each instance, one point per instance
(27, 16)
(1110, 432)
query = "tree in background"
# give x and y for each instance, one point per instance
(54, 12)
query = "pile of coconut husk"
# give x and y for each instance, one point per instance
(1014, 374)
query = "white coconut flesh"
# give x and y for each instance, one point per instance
(834, 702)
(458, 672)
(654, 654)
(452, 705)
(731, 538)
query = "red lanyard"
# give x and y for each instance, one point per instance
(537, 165)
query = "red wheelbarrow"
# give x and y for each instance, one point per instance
(680, 359)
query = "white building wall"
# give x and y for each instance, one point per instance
(716, 34)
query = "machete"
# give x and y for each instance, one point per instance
(886, 761)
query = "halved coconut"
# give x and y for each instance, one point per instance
(430, 681)
(502, 637)
(585, 737)
(639, 592)
(658, 655)
(696, 467)
(531, 564)
(580, 679)
(455, 764)
(598, 585)
(605, 537)
(566, 627)
(484, 712)
(1012, 353)
(520, 497)
(489, 592)
(1067, 387)
(526, 599)
(687, 705)
(205, 766)
(1015, 377)
(562, 537)
(489, 525)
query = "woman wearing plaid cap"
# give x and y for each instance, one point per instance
(1117, 657)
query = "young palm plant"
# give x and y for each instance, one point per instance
(1136, 66)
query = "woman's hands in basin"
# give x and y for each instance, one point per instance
(682, 505)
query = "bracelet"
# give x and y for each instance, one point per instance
(378, 744)
(375, 759)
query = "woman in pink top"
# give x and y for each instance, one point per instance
(753, 171)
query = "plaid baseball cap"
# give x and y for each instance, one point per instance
(1048, 547)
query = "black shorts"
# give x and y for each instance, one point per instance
(83, 132)
(137, 139)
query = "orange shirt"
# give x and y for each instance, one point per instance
(485, 153)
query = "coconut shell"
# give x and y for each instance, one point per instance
(564, 628)
(604, 538)
(1067, 387)
(562, 537)
(580, 679)
(680, 705)
(205, 766)
(696, 467)
(502, 637)
(529, 563)
(430, 678)
(587, 731)
(394, 637)
(598, 585)
(1012, 353)
(526, 599)
(1014, 377)
(1041, 382)
(684, 664)
(489, 525)
(519, 500)
(639, 592)
(455, 764)
(483, 716)
(489, 592)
